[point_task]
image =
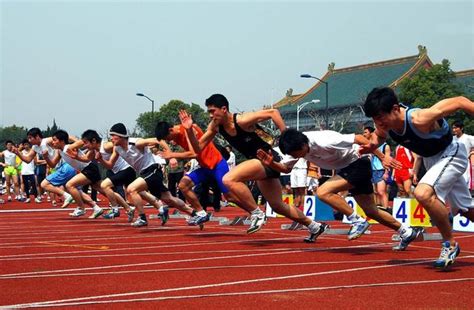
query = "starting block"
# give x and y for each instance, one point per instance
(422, 237)
(293, 226)
(330, 231)
(237, 221)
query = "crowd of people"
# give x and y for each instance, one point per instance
(181, 165)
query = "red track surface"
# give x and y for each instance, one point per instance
(48, 259)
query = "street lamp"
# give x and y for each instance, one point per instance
(299, 108)
(326, 114)
(152, 102)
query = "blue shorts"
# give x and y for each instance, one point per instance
(201, 174)
(62, 175)
(377, 176)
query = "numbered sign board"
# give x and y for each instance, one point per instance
(408, 211)
(460, 223)
(355, 206)
(288, 199)
(310, 206)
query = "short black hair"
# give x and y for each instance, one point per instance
(217, 100)
(61, 135)
(459, 124)
(90, 135)
(9, 141)
(35, 131)
(292, 140)
(162, 130)
(369, 128)
(380, 100)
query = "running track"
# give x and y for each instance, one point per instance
(48, 259)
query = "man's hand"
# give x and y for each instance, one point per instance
(264, 157)
(186, 119)
(389, 162)
(166, 154)
(98, 156)
(367, 148)
(72, 153)
(15, 150)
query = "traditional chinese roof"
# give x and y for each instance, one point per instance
(349, 86)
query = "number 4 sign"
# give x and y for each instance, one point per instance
(409, 211)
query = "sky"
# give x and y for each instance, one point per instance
(82, 62)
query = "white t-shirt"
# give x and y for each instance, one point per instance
(231, 160)
(137, 159)
(27, 168)
(76, 164)
(39, 149)
(467, 140)
(10, 158)
(119, 165)
(158, 159)
(330, 149)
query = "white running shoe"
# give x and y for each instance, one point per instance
(67, 200)
(78, 212)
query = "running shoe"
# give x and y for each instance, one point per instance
(357, 229)
(313, 235)
(165, 216)
(97, 212)
(67, 200)
(113, 213)
(78, 212)
(448, 255)
(199, 220)
(404, 242)
(139, 222)
(38, 200)
(131, 214)
(256, 222)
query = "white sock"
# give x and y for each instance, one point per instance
(405, 231)
(96, 208)
(201, 213)
(161, 210)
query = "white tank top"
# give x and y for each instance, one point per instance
(138, 160)
(76, 164)
(119, 165)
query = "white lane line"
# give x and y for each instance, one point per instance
(246, 293)
(114, 266)
(225, 267)
(189, 243)
(222, 284)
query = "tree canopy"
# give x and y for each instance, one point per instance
(146, 121)
(428, 86)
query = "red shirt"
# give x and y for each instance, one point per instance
(209, 156)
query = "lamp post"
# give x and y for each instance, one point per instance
(326, 113)
(152, 102)
(299, 108)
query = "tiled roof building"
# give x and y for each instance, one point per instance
(347, 89)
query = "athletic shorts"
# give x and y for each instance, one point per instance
(10, 171)
(154, 180)
(61, 175)
(298, 177)
(401, 175)
(92, 173)
(445, 174)
(358, 174)
(377, 176)
(123, 177)
(202, 174)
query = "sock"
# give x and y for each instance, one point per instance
(143, 217)
(405, 231)
(96, 208)
(314, 226)
(161, 209)
(353, 217)
(201, 213)
(257, 211)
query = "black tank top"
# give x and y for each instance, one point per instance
(426, 145)
(248, 143)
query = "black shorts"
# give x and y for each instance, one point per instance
(123, 177)
(92, 172)
(359, 175)
(154, 180)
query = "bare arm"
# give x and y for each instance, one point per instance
(108, 164)
(27, 158)
(424, 118)
(267, 159)
(197, 144)
(248, 120)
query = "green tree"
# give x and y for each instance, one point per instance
(428, 86)
(169, 112)
(14, 133)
